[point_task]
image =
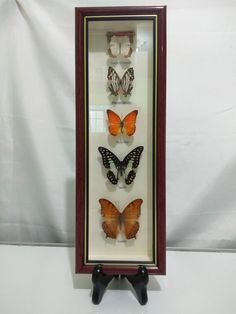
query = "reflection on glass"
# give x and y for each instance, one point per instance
(97, 121)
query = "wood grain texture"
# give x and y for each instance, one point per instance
(80, 142)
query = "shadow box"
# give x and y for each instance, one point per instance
(120, 139)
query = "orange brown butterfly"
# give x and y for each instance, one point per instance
(125, 126)
(115, 222)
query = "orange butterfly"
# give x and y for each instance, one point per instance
(114, 222)
(126, 126)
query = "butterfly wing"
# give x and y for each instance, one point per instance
(130, 177)
(131, 161)
(114, 47)
(133, 157)
(114, 82)
(127, 82)
(128, 123)
(112, 177)
(130, 217)
(108, 157)
(109, 160)
(125, 49)
(114, 123)
(111, 218)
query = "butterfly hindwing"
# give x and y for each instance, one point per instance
(111, 177)
(130, 177)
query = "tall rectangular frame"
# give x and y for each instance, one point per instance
(91, 13)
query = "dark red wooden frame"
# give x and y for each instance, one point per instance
(80, 13)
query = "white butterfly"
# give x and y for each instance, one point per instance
(120, 46)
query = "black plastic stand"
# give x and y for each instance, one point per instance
(100, 282)
(138, 281)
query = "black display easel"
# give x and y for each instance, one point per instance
(139, 282)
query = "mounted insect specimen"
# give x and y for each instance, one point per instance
(121, 168)
(115, 222)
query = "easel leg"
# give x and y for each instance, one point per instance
(139, 283)
(100, 282)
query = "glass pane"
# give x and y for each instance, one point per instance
(120, 76)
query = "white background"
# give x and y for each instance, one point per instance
(37, 114)
(43, 281)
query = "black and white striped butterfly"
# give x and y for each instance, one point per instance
(122, 168)
(120, 86)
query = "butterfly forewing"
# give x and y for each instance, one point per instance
(133, 157)
(132, 210)
(128, 75)
(108, 158)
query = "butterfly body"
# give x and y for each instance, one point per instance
(124, 168)
(126, 126)
(115, 222)
(120, 86)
